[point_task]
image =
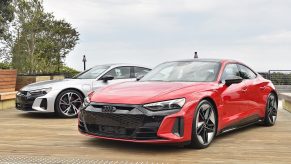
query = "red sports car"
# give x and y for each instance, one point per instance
(189, 102)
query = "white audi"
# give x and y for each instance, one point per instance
(65, 97)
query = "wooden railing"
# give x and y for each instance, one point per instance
(7, 80)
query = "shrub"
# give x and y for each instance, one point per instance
(68, 72)
(5, 66)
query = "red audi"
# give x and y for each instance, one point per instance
(188, 102)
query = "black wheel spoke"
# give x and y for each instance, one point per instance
(201, 115)
(205, 136)
(274, 112)
(200, 130)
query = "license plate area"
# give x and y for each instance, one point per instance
(112, 130)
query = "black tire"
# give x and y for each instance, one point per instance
(204, 126)
(271, 110)
(66, 107)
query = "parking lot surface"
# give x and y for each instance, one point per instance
(42, 138)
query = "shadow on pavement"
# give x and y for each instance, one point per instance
(159, 148)
(39, 116)
(133, 147)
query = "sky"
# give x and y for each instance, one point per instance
(149, 32)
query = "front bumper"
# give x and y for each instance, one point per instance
(132, 123)
(32, 103)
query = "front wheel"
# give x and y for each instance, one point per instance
(68, 103)
(204, 125)
(271, 110)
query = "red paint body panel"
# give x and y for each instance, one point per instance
(233, 103)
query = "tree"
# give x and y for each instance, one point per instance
(6, 15)
(39, 42)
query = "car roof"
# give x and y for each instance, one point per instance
(112, 65)
(207, 60)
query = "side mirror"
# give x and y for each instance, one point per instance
(233, 80)
(107, 78)
(139, 77)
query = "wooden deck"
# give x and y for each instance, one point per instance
(46, 139)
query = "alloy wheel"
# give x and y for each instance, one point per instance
(272, 107)
(70, 103)
(205, 124)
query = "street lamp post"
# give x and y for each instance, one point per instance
(195, 55)
(84, 61)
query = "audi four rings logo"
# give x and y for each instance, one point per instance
(108, 109)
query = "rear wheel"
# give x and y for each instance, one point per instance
(68, 103)
(271, 110)
(204, 125)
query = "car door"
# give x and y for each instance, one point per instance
(120, 74)
(253, 93)
(233, 96)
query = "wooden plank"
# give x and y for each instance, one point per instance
(7, 86)
(7, 89)
(8, 79)
(7, 72)
(3, 83)
(5, 76)
(7, 96)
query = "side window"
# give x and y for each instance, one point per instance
(140, 71)
(246, 73)
(229, 71)
(119, 73)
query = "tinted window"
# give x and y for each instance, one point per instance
(246, 73)
(140, 71)
(119, 73)
(184, 71)
(230, 70)
(92, 73)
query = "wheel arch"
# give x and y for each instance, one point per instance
(276, 94)
(211, 100)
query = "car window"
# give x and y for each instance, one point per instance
(184, 71)
(92, 73)
(246, 73)
(140, 71)
(119, 73)
(230, 70)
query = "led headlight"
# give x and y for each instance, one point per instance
(42, 91)
(166, 105)
(86, 103)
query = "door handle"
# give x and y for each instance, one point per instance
(262, 88)
(244, 89)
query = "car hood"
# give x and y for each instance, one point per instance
(145, 92)
(57, 84)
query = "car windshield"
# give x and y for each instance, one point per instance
(92, 73)
(184, 71)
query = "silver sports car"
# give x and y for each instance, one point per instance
(65, 97)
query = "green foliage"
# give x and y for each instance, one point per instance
(6, 16)
(279, 78)
(4, 65)
(38, 42)
(68, 72)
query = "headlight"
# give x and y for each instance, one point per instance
(86, 103)
(42, 91)
(166, 105)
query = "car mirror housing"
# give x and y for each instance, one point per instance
(107, 78)
(233, 80)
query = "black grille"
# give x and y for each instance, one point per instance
(124, 126)
(129, 108)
